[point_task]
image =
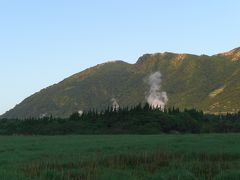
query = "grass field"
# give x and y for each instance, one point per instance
(207, 156)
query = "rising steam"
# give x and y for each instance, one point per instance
(115, 105)
(155, 97)
(80, 112)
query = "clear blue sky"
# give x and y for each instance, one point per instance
(44, 41)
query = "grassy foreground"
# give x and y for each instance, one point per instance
(205, 156)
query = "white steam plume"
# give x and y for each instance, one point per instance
(115, 104)
(155, 97)
(80, 112)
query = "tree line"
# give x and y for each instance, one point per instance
(139, 119)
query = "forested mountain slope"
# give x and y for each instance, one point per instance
(209, 83)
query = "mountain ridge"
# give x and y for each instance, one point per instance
(234, 54)
(209, 83)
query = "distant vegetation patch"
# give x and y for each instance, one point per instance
(140, 119)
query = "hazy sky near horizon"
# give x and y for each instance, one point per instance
(45, 41)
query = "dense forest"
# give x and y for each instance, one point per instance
(140, 119)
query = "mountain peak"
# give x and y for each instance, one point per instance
(164, 55)
(234, 54)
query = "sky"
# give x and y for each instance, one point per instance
(44, 41)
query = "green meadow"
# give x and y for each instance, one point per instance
(153, 157)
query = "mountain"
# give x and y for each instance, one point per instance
(209, 83)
